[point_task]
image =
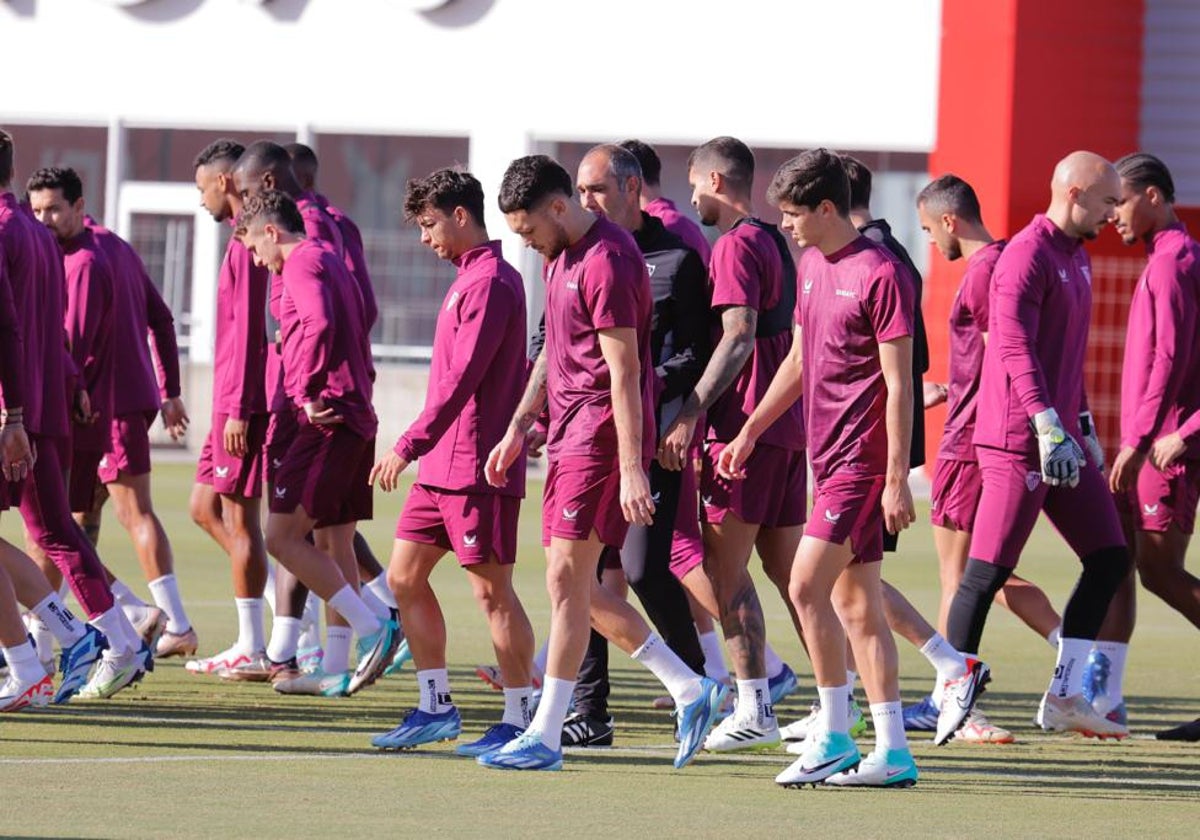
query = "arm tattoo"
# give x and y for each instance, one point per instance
(534, 398)
(728, 359)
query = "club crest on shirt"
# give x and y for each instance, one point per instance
(1063, 276)
(808, 284)
(1032, 479)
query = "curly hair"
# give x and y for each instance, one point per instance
(272, 207)
(444, 189)
(530, 179)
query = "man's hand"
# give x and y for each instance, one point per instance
(935, 394)
(16, 453)
(502, 457)
(731, 463)
(535, 441)
(234, 437)
(1167, 450)
(636, 502)
(1059, 455)
(320, 414)
(82, 412)
(1091, 440)
(175, 417)
(674, 445)
(897, 504)
(1125, 469)
(388, 471)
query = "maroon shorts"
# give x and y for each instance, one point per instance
(1014, 494)
(281, 431)
(325, 472)
(226, 474)
(130, 446)
(475, 526)
(846, 507)
(1162, 499)
(773, 493)
(81, 490)
(583, 495)
(687, 546)
(955, 494)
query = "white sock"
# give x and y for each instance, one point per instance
(539, 658)
(552, 711)
(125, 596)
(23, 663)
(434, 685)
(269, 589)
(285, 634)
(1068, 669)
(680, 680)
(1117, 652)
(251, 637)
(754, 702)
(949, 663)
(518, 705)
(1053, 636)
(774, 665)
(43, 639)
(351, 607)
(53, 613)
(380, 589)
(119, 632)
(337, 649)
(835, 708)
(889, 726)
(165, 592)
(714, 657)
(378, 607)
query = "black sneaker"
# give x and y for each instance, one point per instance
(1186, 732)
(583, 731)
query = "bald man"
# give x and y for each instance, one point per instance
(1035, 439)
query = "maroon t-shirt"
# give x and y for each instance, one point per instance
(475, 379)
(89, 324)
(240, 345)
(1040, 309)
(32, 263)
(685, 228)
(326, 351)
(356, 256)
(746, 269)
(968, 327)
(598, 283)
(849, 303)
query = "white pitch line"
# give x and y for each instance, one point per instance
(665, 751)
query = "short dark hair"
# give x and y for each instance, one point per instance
(6, 158)
(303, 154)
(1142, 169)
(951, 194)
(263, 156)
(647, 158)
(62, 178)
(224, 151)
(810, 178)
(729, 156)
(530, 179)
(273, 207)
(860, 181)
(622, 163)
(444, 189)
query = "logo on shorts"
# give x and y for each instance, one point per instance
(808, 284)
(832, 517)
(654, 497)
(221, 472)
(1151, 510)
(104, 462)
(1032, 479)
(277, 462)
(470, 540)
(571, 515)
(708, 502)
(280, 492)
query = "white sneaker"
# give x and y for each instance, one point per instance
(17, 694)
(317, 684)
(979, 730)
(226, 660)
(882, 768)
(1075, 714)
(958, 698)
(115, 673)
(735, 734)
(796, 733)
